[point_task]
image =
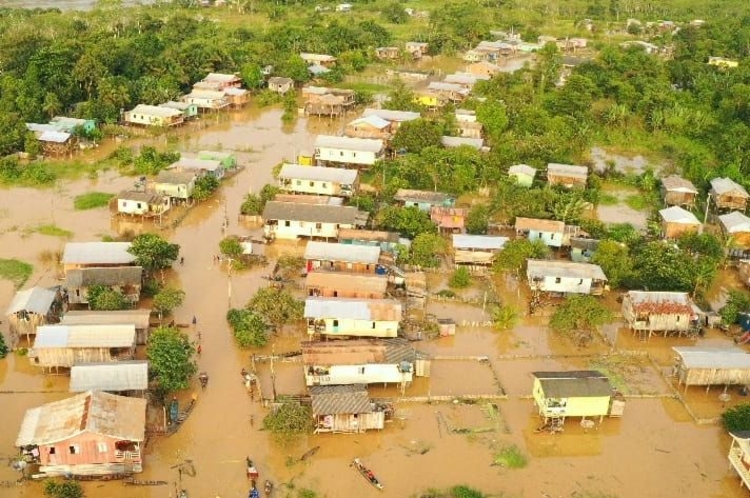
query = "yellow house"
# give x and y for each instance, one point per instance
(722, 62)
(429, 100)
(579, 393)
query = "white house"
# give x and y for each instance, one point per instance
(550, 232)
(207, 99)
(348, 150)
(453, 142)
(394, 117)
(199, 166)
(346, 317)
(476, 249)
(316, 180)
(565, 277)
(151, 115)
(142, 203)
(290, 220)
(362, 361)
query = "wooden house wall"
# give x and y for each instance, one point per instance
(365, 131)
(678, 198)
(26, 326)
(350, 423)
(744, 271)
(359, 328)
(478, 257)
(87, 451)
(712, 376)
(676, 230)
(661, 322)
(331, 291)
(372, 373)
(314, 264)
(728, 201)
(67, 357)
(554, 179)
(740, 240)
(79, 295)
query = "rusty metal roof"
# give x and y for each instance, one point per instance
(335, 400)
(359, 352)
(312, 213)
(660, 303)
(674, 183)
(574, 384)
(539, 225)
(345, 281)
(93, 412)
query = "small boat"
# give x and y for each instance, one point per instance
(367, 473)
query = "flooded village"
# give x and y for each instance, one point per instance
(414, 376)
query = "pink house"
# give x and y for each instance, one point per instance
(449, 219)
(92, 433)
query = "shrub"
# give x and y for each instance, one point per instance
(510, 457)
(737, 418)
(460, 279)
(16, 271)
(249, 329)
(63, 489)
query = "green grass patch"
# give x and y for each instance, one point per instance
(511, 457)
(607, 199)
(91, 200)
(639, 202)
(52, 230)
(16, 271)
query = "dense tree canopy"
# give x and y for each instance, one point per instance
(170, 355)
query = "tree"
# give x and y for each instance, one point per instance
(478, 219)
(290, 419)
(408, 221)
(394, 13)
(32, 146)
(460, 279)
(231, 247)
(401, 98)
(3, 347)
(204, 187)
(249, 329)
(493, 116)
(737, 418)
(504, 317)
(415, 135)
(660, 266)
(276, 306)
(153, 252)
(295, 68)
(580, 312)
(515, 253)
(168, 299)
(253, 205)
(12, 133)
(614, 259)
(252, 75)
(102, 298)
(63, 489)
(170, 354)
(426, 250)
(737, 302)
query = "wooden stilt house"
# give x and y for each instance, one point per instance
(31, 308)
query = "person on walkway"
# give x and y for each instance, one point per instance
(195, 320)
(182, 260)
(199, 349)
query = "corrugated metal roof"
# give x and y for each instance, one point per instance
(293, 211)
(153, 110)
(85, 336)
(476, 143)
(339, 175)
(660, 302)
(176, 105)
(36, 300)
(374, 121)
(674, 183)
(108, 276)
(713, 357)
(196, 163)
(345, 281)
(40, 127)
(735, 222)
(59, 137)
(95, 412)
(352, 309)
(172, 177)
(349, 143)
(222, 77)
(359, 352)
(570, 170)
(320, 200)
(522, 169)
(584, 244)
(461, 241)
(335, 400)
(112, 376)
(139, 318)
(460, 79)
(576, 387)
(317, 57)
(676, 214)
(539, 225)
(206, 94)
(148, 197)
(348, 253)
(567, 269)
(723, 186)
(318, 69)
(92, 253)
(390, 115)
(408, 195)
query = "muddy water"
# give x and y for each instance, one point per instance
(414, 452)
(64, 4)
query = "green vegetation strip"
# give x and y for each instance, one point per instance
(91, 200)
(16, 271)
(52, 230)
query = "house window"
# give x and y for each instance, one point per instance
(349, 266)
(324, 185)
(312, 184)
(580, 282)
(341, 153)
(74, 450)
(52, 450)
(354, 154)
(299, 183)
(558, 280)
(318, 226)
(552, 236)
(138, 205)
(287, 223)
(361, 370)
(335, 323)
(101, 447)
(677, 320)
(373, 325)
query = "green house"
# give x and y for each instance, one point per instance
(189, 111)
(523, 174)
(227, 159)
(577, 393)
(67, 125)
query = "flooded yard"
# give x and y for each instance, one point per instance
(427, 445)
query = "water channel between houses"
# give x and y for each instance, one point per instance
(413, 453)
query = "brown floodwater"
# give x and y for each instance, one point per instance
(414, 452)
